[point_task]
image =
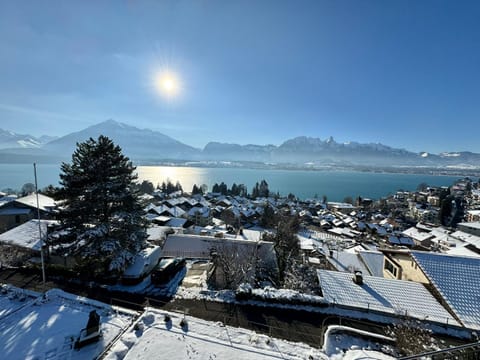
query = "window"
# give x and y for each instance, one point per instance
(17, 219)
(390, 268)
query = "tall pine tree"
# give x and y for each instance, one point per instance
(100, 209)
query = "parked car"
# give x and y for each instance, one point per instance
(166, 269)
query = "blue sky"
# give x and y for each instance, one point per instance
(403, 73)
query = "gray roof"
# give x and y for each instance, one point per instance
(457, 278)
(383, 295)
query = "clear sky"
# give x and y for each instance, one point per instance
(403, 73)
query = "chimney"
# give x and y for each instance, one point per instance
(358, 277)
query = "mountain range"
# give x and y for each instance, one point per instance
(9, 139)
(144, 145)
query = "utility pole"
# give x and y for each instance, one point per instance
(39, 225)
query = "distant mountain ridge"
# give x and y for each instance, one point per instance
(136, 143)
(145, 145)
(12, 140)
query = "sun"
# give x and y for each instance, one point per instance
(167, 83)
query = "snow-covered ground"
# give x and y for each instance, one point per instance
(46, 327)
(201, 339)
(342, 340)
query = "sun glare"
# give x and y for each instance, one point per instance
(167, 84)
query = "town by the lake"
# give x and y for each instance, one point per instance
(240, 180)
(247, 268)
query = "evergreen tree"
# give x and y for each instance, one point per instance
(100, 208)
(49, 190)
(164, 187)
(194, 189)
(178, 187)
(269, 218)
(242, 190)
(234, 191)
(197, 190)
(263, 189)
(27, 189)
(170, 188)
(146, 187)
(223, 188)
(446, 208)
(255, 191)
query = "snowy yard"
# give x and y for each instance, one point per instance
(45, 328)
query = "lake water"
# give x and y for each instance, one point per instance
(336, 185)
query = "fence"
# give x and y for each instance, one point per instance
(463, 352)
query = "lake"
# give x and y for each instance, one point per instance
(336, 185)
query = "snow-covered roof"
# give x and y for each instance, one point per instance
(159, 218)
(47, 327)
(305, 242)
(384, 295)
(457, 279)
(45, 203)
(198, 246)
(13, 298)
(26, 235)
(203, 340)
(252, 235)
(462, 250)
(415, 234)
(468, 238)
(6, 199)
(472, 225)
(199, 211)
(347, 261)
(157, 232)
(176, 222)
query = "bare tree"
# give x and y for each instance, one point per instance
(238, 263)
(411, 337)
(301, 277)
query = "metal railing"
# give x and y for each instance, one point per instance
(463, 352)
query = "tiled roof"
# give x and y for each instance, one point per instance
(384, 295)
(457, 278)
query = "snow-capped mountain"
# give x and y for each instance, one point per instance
(138, 144)
(12, 140)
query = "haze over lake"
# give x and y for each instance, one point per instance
(336, 185)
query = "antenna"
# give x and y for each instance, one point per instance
(39, 225)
